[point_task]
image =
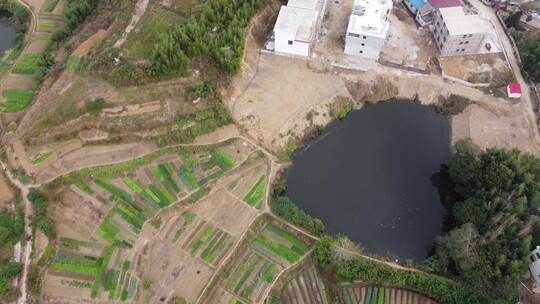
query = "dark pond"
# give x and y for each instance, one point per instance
(371, 176)
(7, 32)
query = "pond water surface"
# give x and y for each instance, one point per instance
(371, 176)
(7, 32)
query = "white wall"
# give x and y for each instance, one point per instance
(297, 48)
(368, 47)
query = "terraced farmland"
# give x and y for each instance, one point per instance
(364, 294)
(124, 197)
(305, 288)
(249, 277)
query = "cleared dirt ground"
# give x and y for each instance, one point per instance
(406, 44)
(485, 68)
(285, 92)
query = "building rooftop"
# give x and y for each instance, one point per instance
(307, 4)
(370, 17)
(297, 22)
(459, 22)
(444, 3)
(514, 87)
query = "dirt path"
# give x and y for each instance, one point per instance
(28, 212)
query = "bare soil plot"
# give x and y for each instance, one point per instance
(174, 271)
(493, 127)
(84, 48)
(76, 215)
(365, 294)
(244, 180)
(305, 288)
(484, 68)
(406, 44)
(6, 191)
(283, 91)
(93, 156)
(63, 287)
(226, 211)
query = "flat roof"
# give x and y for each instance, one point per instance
(370, 17)
(307, 4)
(297, 22)
(460, 23)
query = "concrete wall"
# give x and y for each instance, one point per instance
(368, 47)
(286, 44)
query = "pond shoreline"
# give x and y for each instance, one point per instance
(302, 185)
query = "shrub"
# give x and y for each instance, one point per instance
(283, 207)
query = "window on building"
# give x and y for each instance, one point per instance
(363, 44)
(466, 42)
(537, 255)
(354, 35)
(463, 50)
(364, 37)
(290, 42)
(361, 52)
(461, 42)
(464, 36)
(457, 50)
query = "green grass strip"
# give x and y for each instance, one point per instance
(211, 246)
(277, 248)
(28, 64)
(16, 100)
(50, 5)
(108, 231)
(41, 157)
(81, 184)
(132, 185)
(380, 298)
(103, 262)
(73, 64)
(287, 236)
(115, 191)
(255, 196)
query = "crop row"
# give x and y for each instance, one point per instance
(298, 246)
(255, 196)
(216, 247)
(115, 191)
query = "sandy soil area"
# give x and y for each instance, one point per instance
(229, 207)
(85, 47)
(287, 95)
(483, 68)
(407, 44)
(6, 193)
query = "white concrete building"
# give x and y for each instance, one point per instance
(368, 28)
(297, 26)
(458, 31)
(534, 268)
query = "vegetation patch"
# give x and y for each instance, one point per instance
(255, 196)
(50, 5)
(41, 157)
(28, 64)
(16, 100)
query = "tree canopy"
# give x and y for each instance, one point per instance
(494, 195)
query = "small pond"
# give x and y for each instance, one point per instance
(372, 176)
(7, 32)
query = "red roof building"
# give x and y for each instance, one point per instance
(514, 90)
(444, 3)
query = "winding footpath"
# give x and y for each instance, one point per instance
(27, 238)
